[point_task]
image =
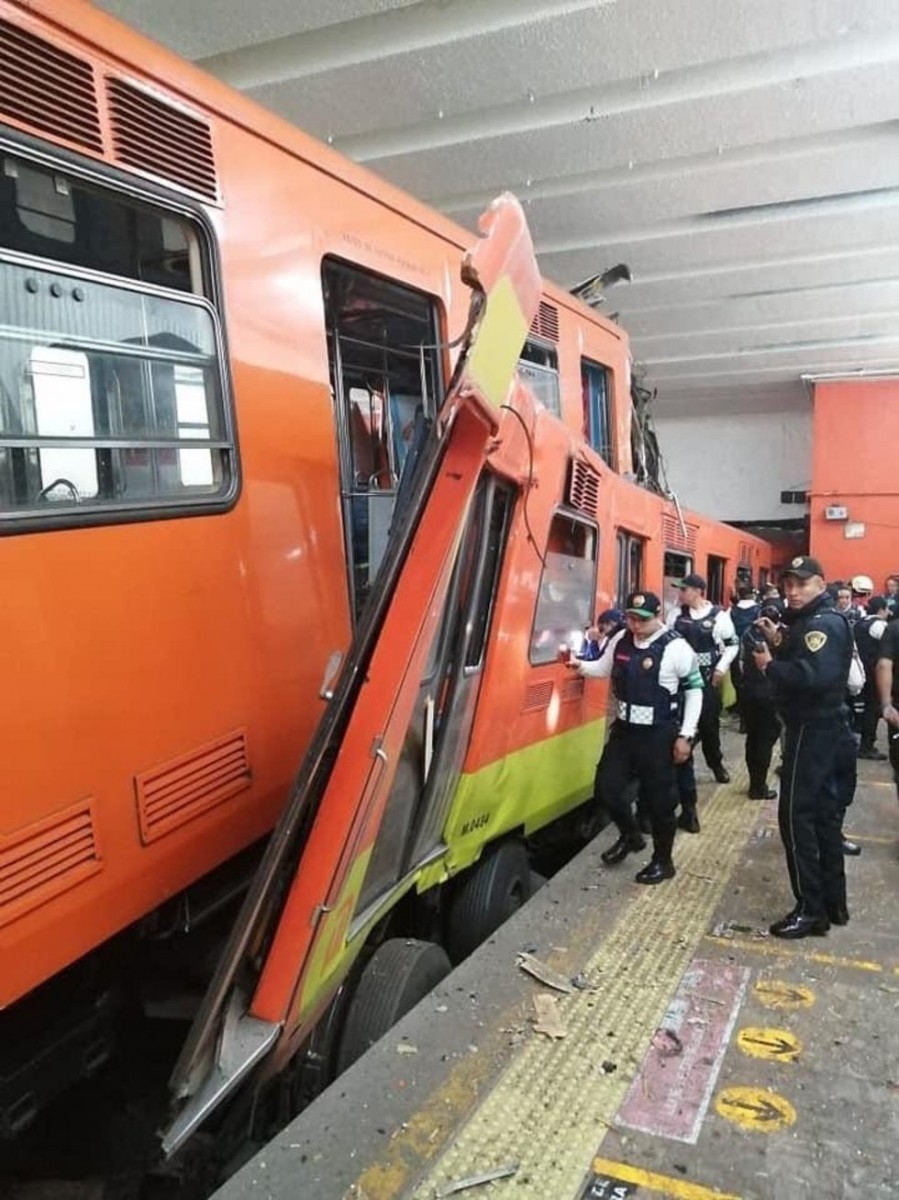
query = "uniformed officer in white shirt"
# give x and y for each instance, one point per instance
(658, 699)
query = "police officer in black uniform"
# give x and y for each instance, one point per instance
(710, 631)
(868, 631)
(658, 698)
(809, 675)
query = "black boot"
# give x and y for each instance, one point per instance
(656, 871)
(660, 867)
(688, 820)
(721, 773)
(761, 791)
(628, 843)
(799, 925)
(852, 848)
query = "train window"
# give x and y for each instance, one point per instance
(630, 565)
(385, 377)
(538, 367)
(676, 567)
(597, 414)
(111, 384)
(763, 577)
(59, 217)
(715, 578)
(567, 587)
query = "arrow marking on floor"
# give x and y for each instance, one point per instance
(776, 1045)
(755, 1109)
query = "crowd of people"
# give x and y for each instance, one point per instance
(815, 669)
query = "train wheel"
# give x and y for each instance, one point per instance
(397, 976)
(485, 896)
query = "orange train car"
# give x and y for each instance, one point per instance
(222, 348)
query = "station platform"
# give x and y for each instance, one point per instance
(692, 1056)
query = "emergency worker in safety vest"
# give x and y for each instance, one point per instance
(809, 672)
(710, 631)
(650, 668)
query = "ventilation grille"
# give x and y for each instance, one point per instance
(39, 862)
(546, 322)
(155, 137)
(537, 696)
(673, 534)
(170, 795)
(584, 490)
(572, 689)
(745, 553)
(47, 88)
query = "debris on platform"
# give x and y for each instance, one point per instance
(406, 1048)
(546, 975)
(473, 1181)
(609, 1067)
(667, 1043)
(582, 983)
(548, 1020)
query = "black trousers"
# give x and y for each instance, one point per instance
(709, 731)
(870, 715)
(762, 732)
(810, 814)
(893, 743)
(641, 752)
(846, 767)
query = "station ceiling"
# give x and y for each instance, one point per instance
(741, 156)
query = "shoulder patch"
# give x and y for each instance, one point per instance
(815, 639)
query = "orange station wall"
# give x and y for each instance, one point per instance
(855, 465)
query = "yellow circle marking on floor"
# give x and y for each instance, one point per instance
(756, 1109)
(775, 994)
(775, 1045)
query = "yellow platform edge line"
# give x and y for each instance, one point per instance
(679, 1189)
(779, 951)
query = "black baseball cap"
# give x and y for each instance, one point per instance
(803, 567)
(696, 581)
(643, 604)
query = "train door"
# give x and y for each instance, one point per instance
(630, 565)
(715, 578)
(385, 377)
(676, 567)
(412, 826)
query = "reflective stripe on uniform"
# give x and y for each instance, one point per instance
(636, 714)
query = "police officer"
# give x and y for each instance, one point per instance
(887, 676)
(868, 630)
(710, 632)
(650, 666)
(809, 675)
(759, 711)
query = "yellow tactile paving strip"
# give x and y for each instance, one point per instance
(551, 1106)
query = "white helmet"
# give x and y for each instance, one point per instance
(863, 584)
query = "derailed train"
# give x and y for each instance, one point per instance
(224, 352)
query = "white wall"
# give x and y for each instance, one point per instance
(734, 466)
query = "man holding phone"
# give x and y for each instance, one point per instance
(807, 663)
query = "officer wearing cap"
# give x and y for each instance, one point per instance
(711, 633)
(809, 673)
(650, 668)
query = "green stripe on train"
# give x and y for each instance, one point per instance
(525, 790)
